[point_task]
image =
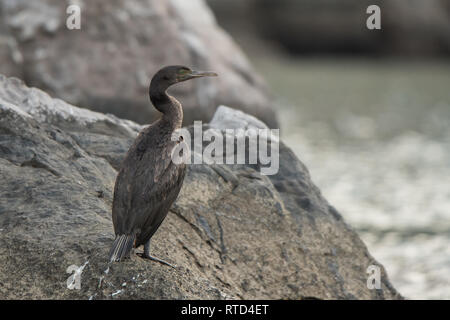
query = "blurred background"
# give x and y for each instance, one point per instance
(368, 111)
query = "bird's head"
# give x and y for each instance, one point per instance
(170, 75)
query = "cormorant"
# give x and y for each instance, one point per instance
(148, 181)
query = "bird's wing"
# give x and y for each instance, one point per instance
(159, 199)
(144, 183)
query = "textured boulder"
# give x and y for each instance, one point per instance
(107, 64)
(232, 233)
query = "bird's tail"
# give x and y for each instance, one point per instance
(121, 248)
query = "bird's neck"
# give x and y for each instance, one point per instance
(169, 106)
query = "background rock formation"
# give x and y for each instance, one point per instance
(409, 28)
(232, 233)
(107, 65)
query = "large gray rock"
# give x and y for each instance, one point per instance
(232, 233)
(107, 65)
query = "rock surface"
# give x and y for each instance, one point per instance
(107, 64)
(232, 233)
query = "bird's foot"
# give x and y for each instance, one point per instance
(149, 257)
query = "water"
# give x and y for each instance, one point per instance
(376, 139)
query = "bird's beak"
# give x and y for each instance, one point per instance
(199, 74)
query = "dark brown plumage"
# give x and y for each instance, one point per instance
(148, 181)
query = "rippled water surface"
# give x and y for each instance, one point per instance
(376, 139)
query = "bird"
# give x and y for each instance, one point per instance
(148, 181)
